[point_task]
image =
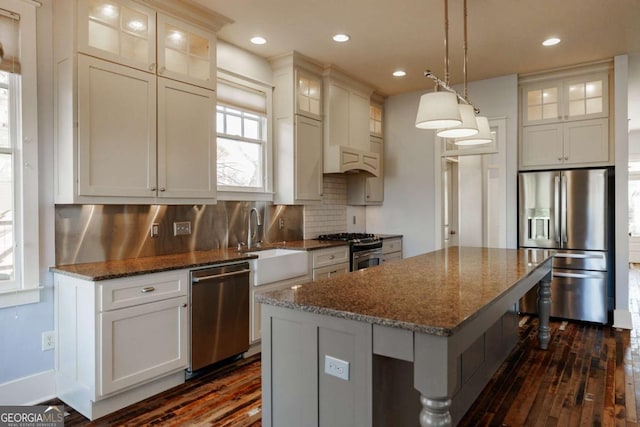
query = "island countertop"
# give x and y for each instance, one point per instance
(434, 293)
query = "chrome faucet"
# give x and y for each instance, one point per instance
(252, 234)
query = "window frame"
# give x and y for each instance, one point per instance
(26, 288)
(237, 193)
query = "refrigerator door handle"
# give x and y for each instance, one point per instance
(580, 256)
(556, 210)
(578, 275)
(563, 198)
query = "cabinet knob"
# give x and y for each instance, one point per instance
(559, 159)
(152, 66)
(161, 70)
(566, 158)
(162, 189)
(332, 257)
(153, 188)
(184, 305)
(367, 196)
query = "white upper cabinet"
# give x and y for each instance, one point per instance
(121, 31)
(576, 98)
(186, 53)
(127, 130)
(565, 119)
(297, 119)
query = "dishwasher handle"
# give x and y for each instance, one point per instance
(218, 276)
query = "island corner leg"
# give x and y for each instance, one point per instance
(544, 309)
(435, 412)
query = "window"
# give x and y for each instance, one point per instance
(19, 260)
(243, 141)
(240, 148)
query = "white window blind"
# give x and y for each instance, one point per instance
(245, 98)
(9, 41)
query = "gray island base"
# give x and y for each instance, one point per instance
(411, 343)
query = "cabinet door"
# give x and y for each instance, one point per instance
(308, 94)
(186, 141)
(308, 155)
(586, 142)
(358, 121)
(330, 271)
(116, 130)
(121, 31)
(586, 97)
(140, 343)
(542, 102)
(186, 53)
(256, 312)
(541, 145)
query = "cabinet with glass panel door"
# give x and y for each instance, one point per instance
(565, 122)
(121, 110)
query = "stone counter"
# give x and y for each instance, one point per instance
(106, 270)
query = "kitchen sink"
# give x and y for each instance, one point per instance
(275, 265)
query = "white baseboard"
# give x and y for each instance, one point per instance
(622, 319)
(31, 390)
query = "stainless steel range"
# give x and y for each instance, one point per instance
(365, 250)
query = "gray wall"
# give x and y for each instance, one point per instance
(410, 203)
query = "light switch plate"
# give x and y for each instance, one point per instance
(336, 367)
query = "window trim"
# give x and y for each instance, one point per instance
(251, 194)
(27, 255)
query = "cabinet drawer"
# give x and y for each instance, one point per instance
(391, 257)
(130, 291)
(324, 257)
(330, 271)
(392, 245)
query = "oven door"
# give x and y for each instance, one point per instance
(366, 258)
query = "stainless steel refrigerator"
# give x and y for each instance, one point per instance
(571, 211)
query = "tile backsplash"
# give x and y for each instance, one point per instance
(331, 215)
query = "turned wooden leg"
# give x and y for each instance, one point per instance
(435, 412)
(544, 308)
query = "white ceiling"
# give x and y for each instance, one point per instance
(504, 36)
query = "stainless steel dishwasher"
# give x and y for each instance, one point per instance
(219, 313)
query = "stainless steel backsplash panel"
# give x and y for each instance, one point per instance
(94, 233)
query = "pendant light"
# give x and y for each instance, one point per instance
(439, 109)
(469, 126)
(482, 137)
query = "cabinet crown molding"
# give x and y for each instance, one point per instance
(192, 12)
(565, 72)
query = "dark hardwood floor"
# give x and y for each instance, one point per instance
(590, 376)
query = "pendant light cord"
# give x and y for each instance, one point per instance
(446, 42)
(464, 47)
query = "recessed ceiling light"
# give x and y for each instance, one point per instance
(341, 38)
(258, 40)
(552, 41)
(399, 73)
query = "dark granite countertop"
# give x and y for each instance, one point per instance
(106, 270)
(433, 293)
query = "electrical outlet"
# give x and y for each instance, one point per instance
(182, 228)
(48, 340)
(281, 223)
(155, 229)
(336, 367)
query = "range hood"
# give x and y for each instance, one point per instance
(344, 159)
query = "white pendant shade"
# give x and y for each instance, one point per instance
(468, 127)
(438, 110)
(482, 137)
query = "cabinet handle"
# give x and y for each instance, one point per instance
(184, 305)
(332, 257)
(153, 188)
(367, 196)
(162, 189)
(559, 159)
(161, 70)
(566, 158)
(152, 66)
(147, 289)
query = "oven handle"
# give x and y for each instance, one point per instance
(360, 254)
(377, 245)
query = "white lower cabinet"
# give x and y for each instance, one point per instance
(120, 341)
(329, 262)
(391, 249)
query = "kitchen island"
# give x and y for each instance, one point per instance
(402, 344)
